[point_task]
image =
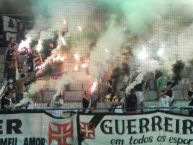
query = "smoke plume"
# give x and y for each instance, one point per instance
(177, 71)
(155, 32)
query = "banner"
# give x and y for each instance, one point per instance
(36, 128)
(9, 24)
(9, 35)
(41, 128)
(156, 128)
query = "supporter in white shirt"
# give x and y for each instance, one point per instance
(26, 102)
(164, 101)
(56, 103)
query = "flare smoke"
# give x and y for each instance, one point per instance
(111, 25)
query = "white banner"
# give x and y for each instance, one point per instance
(9, 35)
(156, 128)
(9, 24)
(37, 128)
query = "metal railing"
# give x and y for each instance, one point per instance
(106, 110)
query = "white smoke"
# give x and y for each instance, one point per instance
(62, 82)
(107, 50)
(172, 32)
(155, 25)
(36, 87)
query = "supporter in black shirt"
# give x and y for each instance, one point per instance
(85, 102)
(10, 58)
(139, 93)
(6, 102)
(131, 101)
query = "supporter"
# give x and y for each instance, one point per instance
(161, 84)
(23, 62)
(25, 103)
(37, 63)
(94, 100)
(20, 32)
(11, 66)
(11, 69)
(11, 53)
(12, 46)
(86, 102)
(3, 88)
(10, 56)
(117, 105)
(190, 96)
(20, 80)
(6, 102)
(57, 101)
(169, 92)
(139, 93)
(110, 89)
(30, 62)
(108, 102)
(131, 102)
(164, 101)
(166, 97)
(109, 85)
(185, 82)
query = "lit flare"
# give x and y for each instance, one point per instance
(94, 87)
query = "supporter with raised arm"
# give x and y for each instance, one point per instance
(166, 98)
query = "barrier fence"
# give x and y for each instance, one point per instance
(108, 110)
